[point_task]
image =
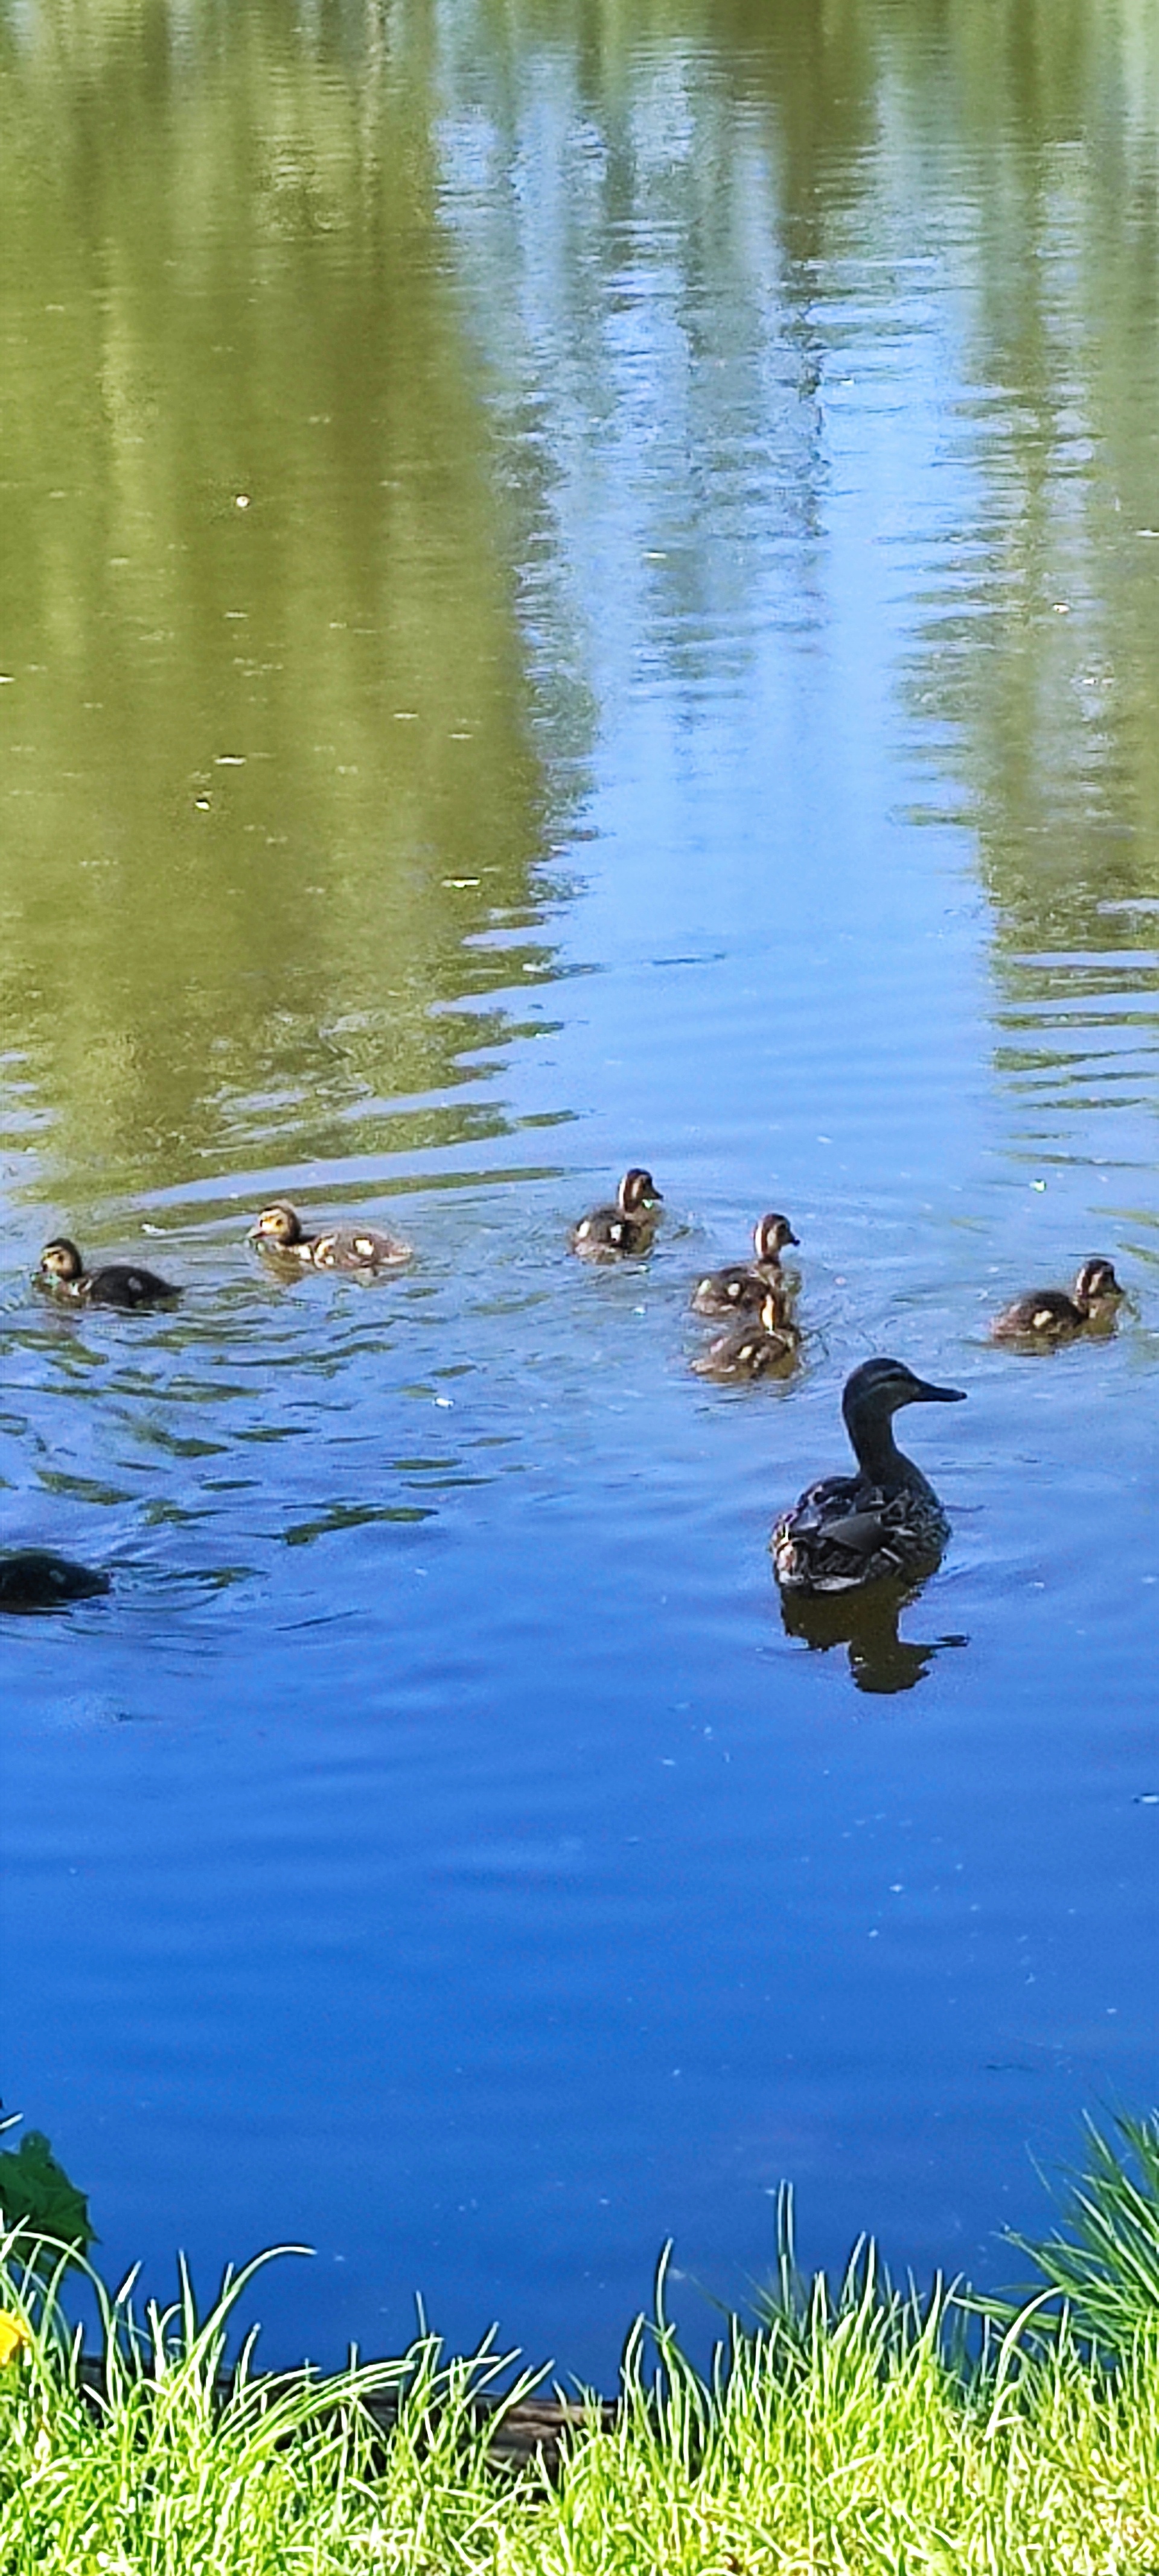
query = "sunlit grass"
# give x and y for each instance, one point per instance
(171, 2465)
(857, 2431)
(1106, 2262)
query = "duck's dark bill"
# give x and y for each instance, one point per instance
(940, 1394)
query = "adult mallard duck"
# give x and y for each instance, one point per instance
(1049, 1315)
(743, 1287)
(118, 1283)
(33, 1578)
(617, 1233)
(886, 1520)
(753, 1346)
(279, 1231)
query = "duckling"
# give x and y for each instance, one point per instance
(743, 1287)
(753, 1345)
(280, 1231)
(118, 1283)
(32, 1578)
(886, 1520)
(617, 1233)
(1049, 1315)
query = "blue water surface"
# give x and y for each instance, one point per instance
(435, 1850)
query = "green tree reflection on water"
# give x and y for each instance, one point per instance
(1015, 148)
(870, 172)
(265, 750)
(267, 766)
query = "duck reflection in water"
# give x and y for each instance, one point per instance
(866, 1622)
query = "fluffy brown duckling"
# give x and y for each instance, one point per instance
(617, 1233)
(1049, 1315)
(884, 1522)
(753, 1346)
(118, 1283)
(280, 1232)
(744, 1286)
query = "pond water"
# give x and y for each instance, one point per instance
(578, 588)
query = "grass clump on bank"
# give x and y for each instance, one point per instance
(856, 2432)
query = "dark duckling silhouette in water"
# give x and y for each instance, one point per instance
(744, 1286)
(32, 1579)
(118, 1283)
(1049, 1315)
(279, 1231)
(884, 1522)
(753, 1346)
(617, 1233)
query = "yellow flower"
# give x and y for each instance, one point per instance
(14, 2336)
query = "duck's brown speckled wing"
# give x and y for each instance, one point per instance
(844, 1532)
(747, 1351)
(736, 1291)
(357, 1247)
(608, 1235)
(1042, 1314)
(741, 1289)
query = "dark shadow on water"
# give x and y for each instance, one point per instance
(867, 1623)
(33, 1580)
